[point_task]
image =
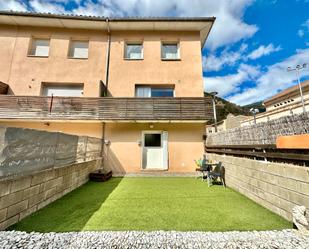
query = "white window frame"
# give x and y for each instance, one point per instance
(70, 52)
(128, 43)
(177, 43)
(32, 50)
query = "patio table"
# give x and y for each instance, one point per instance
(206, 168)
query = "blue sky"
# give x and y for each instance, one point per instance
(249, 48)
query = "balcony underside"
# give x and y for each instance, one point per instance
(105, 109)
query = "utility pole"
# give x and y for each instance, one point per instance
(298, 68)
(213, 95)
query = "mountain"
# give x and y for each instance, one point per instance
(225, 107)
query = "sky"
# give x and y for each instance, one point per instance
(249, 48)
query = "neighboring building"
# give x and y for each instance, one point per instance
(150, 69)
(284, 103)
(230, 122)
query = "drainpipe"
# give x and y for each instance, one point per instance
(106, 84)
(107, 54)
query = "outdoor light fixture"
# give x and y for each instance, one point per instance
(297, 69)
(254, 112)
(213, 94)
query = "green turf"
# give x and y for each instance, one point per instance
(183, 204)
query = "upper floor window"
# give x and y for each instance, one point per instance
(154, 91)
(78, 49)
(39, 47)
(133, 51)
(170, 51)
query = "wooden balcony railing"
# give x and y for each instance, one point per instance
(105, 109)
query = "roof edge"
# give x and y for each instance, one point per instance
(111, 19)
(290, 90)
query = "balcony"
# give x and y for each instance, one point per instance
(105, 109)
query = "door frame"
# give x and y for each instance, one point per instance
(143, 142)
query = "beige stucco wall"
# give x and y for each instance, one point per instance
(74, 128)
(25, 74)
(185, 74)
(123, 155)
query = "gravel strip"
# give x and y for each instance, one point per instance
(285, 239)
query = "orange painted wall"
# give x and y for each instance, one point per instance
(185, 143)
(293, 142)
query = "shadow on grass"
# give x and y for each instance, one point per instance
(71, 212)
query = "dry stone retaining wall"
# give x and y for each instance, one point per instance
(278, 187)
(261, 133)
(22, 196)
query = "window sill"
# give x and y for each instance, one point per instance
(77, 58)
(178, 59)
(128, 59)
(37, 56)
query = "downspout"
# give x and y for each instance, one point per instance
(106, 85)
(107, 55)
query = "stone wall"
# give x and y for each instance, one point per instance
(278, 187)
(24, 195)
(261, 133)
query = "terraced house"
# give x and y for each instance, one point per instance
(136, 83)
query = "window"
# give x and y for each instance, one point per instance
(151, 91)
(78, 49)
(162, 92)
(75, 90)
(39, 47)
(152, 140)
(170, 51)
(133, 51)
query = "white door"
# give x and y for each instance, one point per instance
(155, 154)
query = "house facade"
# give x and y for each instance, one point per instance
(134, 82)
(284, 103)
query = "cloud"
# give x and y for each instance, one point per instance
(274, 78)
(13, 5)
(212, 62)
(262, 51)
(46, 6)
(231, 83)
(304, 29)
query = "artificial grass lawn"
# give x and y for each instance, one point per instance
(184, 204)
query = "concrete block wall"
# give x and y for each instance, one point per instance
(278, 187)
(22, 196)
